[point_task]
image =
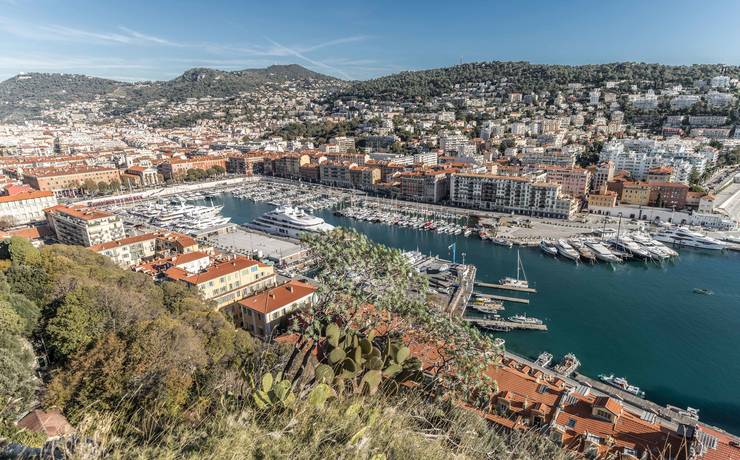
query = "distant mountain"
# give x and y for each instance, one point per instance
(30, 87)
(23, 94)
(201, 82)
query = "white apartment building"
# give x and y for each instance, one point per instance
(638, 156)
(720, 81)
(511, 194)
(129, 251)
(26, 207)
(685, 101)
(84, 226)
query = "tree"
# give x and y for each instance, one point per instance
(77, 322)
(694, 177)
(103, 187)
(220, 170)
(89, 186)
(115, 185)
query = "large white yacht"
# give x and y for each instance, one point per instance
(682, 236)
(290, 222)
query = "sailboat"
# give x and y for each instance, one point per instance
(516, 282)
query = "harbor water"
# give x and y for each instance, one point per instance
(638, 320)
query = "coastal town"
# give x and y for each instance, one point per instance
(613, 172)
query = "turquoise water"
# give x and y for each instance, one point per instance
(641, 321)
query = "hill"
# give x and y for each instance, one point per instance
(523, 76)
(25, 94)
(202, 82)
(38, 87)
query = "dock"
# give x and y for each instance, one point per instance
(505, 287)
(506, 325)
(503, 298)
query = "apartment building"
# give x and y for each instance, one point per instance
(603, 199)
(518, 195)
(289, 165)
(176, 168)
(425, 186)
(142, 175)
(336, 174)
(637, 193)
(84, 226)
(129, 251)
(264, 312)
(602, 173)
(227, 281)
(68, 181)
(550, 157)
(25, 207)
(364, 177)
(575, 182)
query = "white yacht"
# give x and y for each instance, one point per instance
(290, 222)
(682, 236)
(626, 244)
(567, 251)
(602, 252)
(654, 246)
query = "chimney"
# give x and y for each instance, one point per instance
(290, 288)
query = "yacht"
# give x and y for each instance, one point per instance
(544, 359)
(567, 365)
(628, 246)
(602, 252)
(654, 246)
(567, 251)
(622, 384)
(548, 248)
(524, 319)
(682, 236)
(584, 251)
(290, 222)
(516, 282)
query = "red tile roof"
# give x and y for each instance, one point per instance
(278, 297)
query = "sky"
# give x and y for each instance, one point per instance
(136, 40)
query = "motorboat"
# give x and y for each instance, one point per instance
(622, 384)
(683, 236)
(602, 253)
(548, 248)
(567, 251)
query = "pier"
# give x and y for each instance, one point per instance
(503, 298)
(506, 325)
(505, 287)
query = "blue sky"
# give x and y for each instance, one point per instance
(142, 40)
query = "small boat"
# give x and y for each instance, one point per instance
(524, 319)
(704, 291)
(567, 365)
(544, 359)
(548, 248)
(516, 282)
(622, 384)
(487, 308)
(501, 242)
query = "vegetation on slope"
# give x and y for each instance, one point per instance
(527, 77)
(152, 371)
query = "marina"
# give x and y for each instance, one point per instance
(605, 313)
